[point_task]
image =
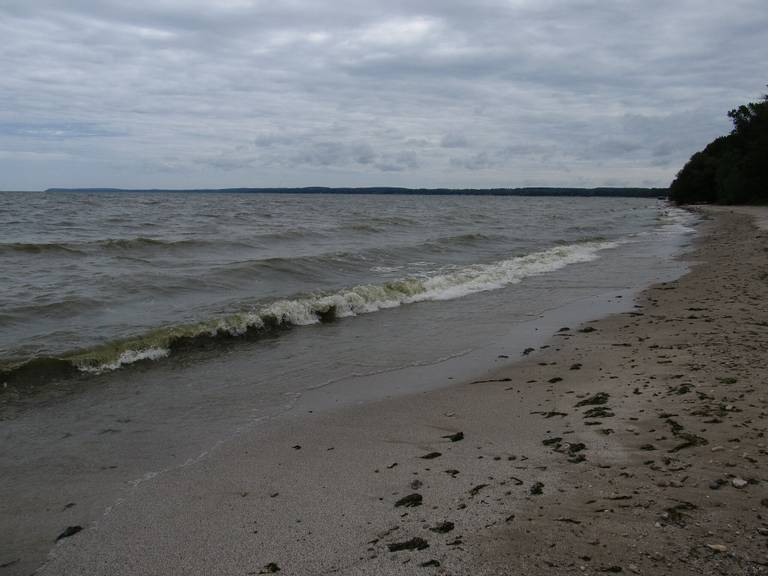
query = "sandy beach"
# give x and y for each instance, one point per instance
(632, 444)
(383, 288)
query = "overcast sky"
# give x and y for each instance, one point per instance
(482, 93)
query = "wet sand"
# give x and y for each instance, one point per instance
(633, 444)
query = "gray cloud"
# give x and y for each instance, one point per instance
(477, 161)
(399, 162)
(58, 131)
(418, 93)
(454, 140)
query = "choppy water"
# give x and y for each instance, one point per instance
(103, 280)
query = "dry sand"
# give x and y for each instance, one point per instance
(634, 444)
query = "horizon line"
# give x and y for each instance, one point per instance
(384, 190)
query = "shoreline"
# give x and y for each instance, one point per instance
(317, 494)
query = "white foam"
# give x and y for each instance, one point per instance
(128, 357)
(675, 220)
(451, 283)
(443, 286)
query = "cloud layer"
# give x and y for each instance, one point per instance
(193, 93)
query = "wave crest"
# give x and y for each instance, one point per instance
(318, 308)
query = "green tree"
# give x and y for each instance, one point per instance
(732, 169)
(697, 181)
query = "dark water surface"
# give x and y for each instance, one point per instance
(104, 280)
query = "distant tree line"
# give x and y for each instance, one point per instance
(388, 190)
(732, 169)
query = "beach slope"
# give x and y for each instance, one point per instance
(632, 444)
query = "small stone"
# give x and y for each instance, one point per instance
(412, 544)
(718, 547)
(443, 527)
(739, 483)
(634, 568)
(431, 456)
(409, 501)
(69, 531)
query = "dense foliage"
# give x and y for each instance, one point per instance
(732, 169)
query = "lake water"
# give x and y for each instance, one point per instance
(93, 282)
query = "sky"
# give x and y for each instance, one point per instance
(416, 93)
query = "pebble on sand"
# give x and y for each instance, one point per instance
(739, 483)
(412, 544)
(410, 501)
(69, 531)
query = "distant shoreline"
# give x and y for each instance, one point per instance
(394, 191)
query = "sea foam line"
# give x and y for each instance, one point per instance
(448, 284)
(362, 299)
(127, 357)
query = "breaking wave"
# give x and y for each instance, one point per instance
(308, 309)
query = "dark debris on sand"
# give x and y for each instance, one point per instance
(594, 400)
(412, 544)
(455, 437)
(443, 527)
(410, 501)
(69, 531)
(537, 488)
(431, 456)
